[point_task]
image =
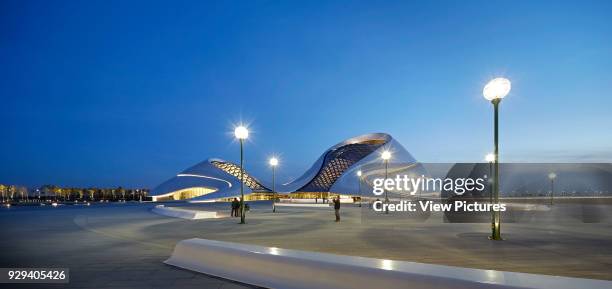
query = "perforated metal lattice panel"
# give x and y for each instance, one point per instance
(234, 170)
(336, 163)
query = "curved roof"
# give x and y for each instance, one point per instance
(347, 153)
(205, 174)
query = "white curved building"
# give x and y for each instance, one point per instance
(212, 179)
(334, 172)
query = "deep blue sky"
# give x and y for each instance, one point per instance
(108, 93)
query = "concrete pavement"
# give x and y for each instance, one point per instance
(123, 246)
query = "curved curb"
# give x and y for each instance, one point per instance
(184, 213)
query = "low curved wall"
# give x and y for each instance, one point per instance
(184, 213)
(292, 269)
(302, 205)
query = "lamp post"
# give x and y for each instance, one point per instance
(241, 134)
(360, 195)
(495, 91)
(273, 164)
(490, 158)
(552, 177)
(386, 155)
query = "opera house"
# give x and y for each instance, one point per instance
(334, 173)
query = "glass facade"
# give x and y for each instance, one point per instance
(185, 194)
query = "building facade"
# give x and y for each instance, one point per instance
(333, 173)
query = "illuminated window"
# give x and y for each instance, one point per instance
(184, 194)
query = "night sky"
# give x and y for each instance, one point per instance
(129, 93)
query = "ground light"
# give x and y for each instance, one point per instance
(273, 164)
(386, 155)
(495, 91)
(241, 134)
(552, 177)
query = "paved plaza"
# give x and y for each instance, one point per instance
(104, 246)
(123, 246)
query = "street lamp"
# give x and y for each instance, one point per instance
(552, 177)
(241, 134)
(494, 91)
(386, 155)
(360, 195)
(273, 164)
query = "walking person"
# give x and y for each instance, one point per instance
(337, 208)
(235, 206)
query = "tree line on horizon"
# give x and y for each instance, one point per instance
(10, 193)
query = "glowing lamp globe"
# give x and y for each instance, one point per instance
(359, 173)
(273, 162)
(241, 132)
(490, 158)
(497, 88)
(552, 176)
(386, 155)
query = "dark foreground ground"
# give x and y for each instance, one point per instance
(124, 245)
